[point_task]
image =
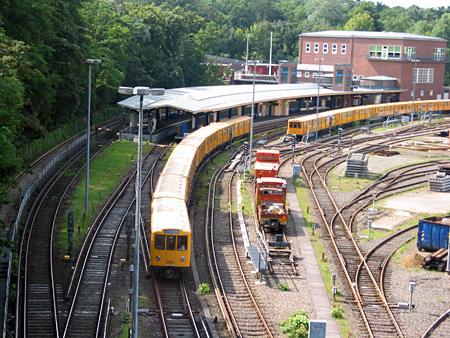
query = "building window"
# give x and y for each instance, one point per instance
(394, 52)
(423, 75)
(316, 48)
(325, 48)
(284, 74)
(439, 54)
(431, 93)
(299, 74)
(343, 49)
(355, 77)
(307, 47)
(306, 74)
(375, 51)
(339, 78)
(409, 53)
(334, 48)
(385, 52)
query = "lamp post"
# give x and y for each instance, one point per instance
(88, 135)
(141, 91)
(251, 120)
(246, 55)
(414, 79)
(318, 97)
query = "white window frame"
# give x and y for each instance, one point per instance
(343, 49)
(325, 48)
(439, 54)
(316, 48)
(299, 74)
(423, 75)
(334, 48)
(306, 74)
(307, 47)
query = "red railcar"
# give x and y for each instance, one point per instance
(267, 163)
(270, 203)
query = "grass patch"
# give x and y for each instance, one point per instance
(106, 171)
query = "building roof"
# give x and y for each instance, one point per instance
(371, 35)
(216, 98)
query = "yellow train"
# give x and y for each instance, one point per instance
(307, 124)
(170, 246)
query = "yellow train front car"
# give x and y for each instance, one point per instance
(170, 237)
(170, 229)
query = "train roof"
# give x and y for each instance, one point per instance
(169, 213)
(267, 151)
(178, 166)
(267, 180)
(174, 186)
(183, 151)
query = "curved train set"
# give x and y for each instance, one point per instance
(170, 226)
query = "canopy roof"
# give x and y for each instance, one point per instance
(216, 98)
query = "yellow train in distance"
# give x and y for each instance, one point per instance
(170, 241)
(304, 125)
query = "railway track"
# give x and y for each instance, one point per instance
(226, 259)
(88, 288)
(175, 311)
(365, 285)
(378, 320)
(440, 327)
(39, 296)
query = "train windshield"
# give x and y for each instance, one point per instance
(172, 242)
(182, 243)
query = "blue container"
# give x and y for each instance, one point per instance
(433, 233)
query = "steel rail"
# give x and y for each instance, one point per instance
(236, 254)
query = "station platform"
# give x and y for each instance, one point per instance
(318, 292)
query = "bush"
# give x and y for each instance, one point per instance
(283, 287)
(297, 325)
(204, 289)
(337, 311)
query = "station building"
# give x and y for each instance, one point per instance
(373, 60)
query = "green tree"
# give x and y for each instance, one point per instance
(297, 325)
(360, 22)
(442, 30)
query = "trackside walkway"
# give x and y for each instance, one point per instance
(318, 292)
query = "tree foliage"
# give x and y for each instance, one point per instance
(162, 43)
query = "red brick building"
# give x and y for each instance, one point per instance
(378, 59)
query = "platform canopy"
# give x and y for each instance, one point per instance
(215, 98)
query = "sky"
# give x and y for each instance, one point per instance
(419, 3)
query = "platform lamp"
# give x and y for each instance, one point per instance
(141, 91)
(318, 97)
(90, 62)
(414, 80)
(251, 120)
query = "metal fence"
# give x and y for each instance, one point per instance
(41, 180)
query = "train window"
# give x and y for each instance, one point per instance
(160, 242)
(171, 242)
(182, 243)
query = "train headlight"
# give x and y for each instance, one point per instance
(182, 258)
(158, 258)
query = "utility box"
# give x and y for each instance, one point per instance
(296, 170)
(317, 328)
